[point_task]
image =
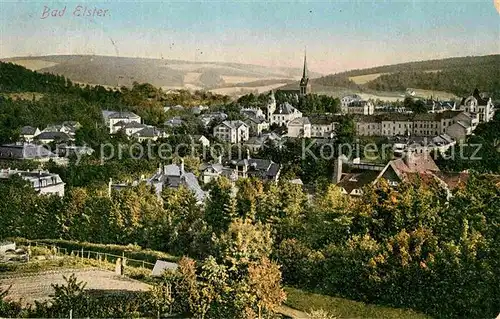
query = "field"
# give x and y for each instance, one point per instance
(435, 94)
(37, 286)
(35, 64)
(344, 308)
(362, 79)
(24, 96)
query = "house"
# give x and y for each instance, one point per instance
(441, 106)
(26, 151)
(299, 127)
(410, 92)
(149, 133)
(207, 118)
(174, 122)
(210, 172)
(111, 118)
(425, 124)
(367, 125)
(56, 137)
(252, 112)
(232, 131)
(255, 167)
(348, 99)
(200, 140)
(357, 106)
(28, 133)
(256, 124)
(42, 181)
(128, 128)
(263, 169)
(480, 104)
(198, 109)
(323, 126)
(71, 150)
(285, 113)
(174, 176)
(395, 172)
(256, 143)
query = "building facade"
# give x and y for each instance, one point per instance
(232, 131)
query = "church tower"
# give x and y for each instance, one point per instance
(305, 85)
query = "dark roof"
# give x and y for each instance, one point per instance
(28, 130)
(452, 179)
(285, 108)
(130, 125)
(123, 115)
(60, 136)
(257, 120)
(320, 119)
(260, 167)
(24, 151)
(357, 180)
(148, 132)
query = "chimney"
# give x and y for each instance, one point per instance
(337, 170)
(409, 159)
(165, 169)
(158, 171)
(248, 154)
(182, 166)
(219, 159)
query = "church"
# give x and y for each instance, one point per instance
(304, 84)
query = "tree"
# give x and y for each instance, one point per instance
(70, 297)
(264, 281)
(345, 130)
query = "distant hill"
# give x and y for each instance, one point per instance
(168, 74)
(455, 75)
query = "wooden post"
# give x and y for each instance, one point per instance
(82, 254)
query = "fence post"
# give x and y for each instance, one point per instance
(82, 255)
(143, 264)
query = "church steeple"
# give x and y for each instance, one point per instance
(304, 71)
(305, 85)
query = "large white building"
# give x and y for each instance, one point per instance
(354, 104)
(482, 106)
(285, 113)
(232, 131)
(299, 127)
(111, 118)
(42, 181)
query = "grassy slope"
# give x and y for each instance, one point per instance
(345, 308)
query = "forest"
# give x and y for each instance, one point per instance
(454, 75)
(371, 249)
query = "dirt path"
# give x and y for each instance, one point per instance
(293, 313)
(37, 286)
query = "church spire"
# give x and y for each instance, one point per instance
(304, 72)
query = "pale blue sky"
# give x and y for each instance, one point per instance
(339, 35)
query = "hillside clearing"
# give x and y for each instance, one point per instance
(362, 79)
(34, 64)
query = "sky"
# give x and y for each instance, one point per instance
(338, 35)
